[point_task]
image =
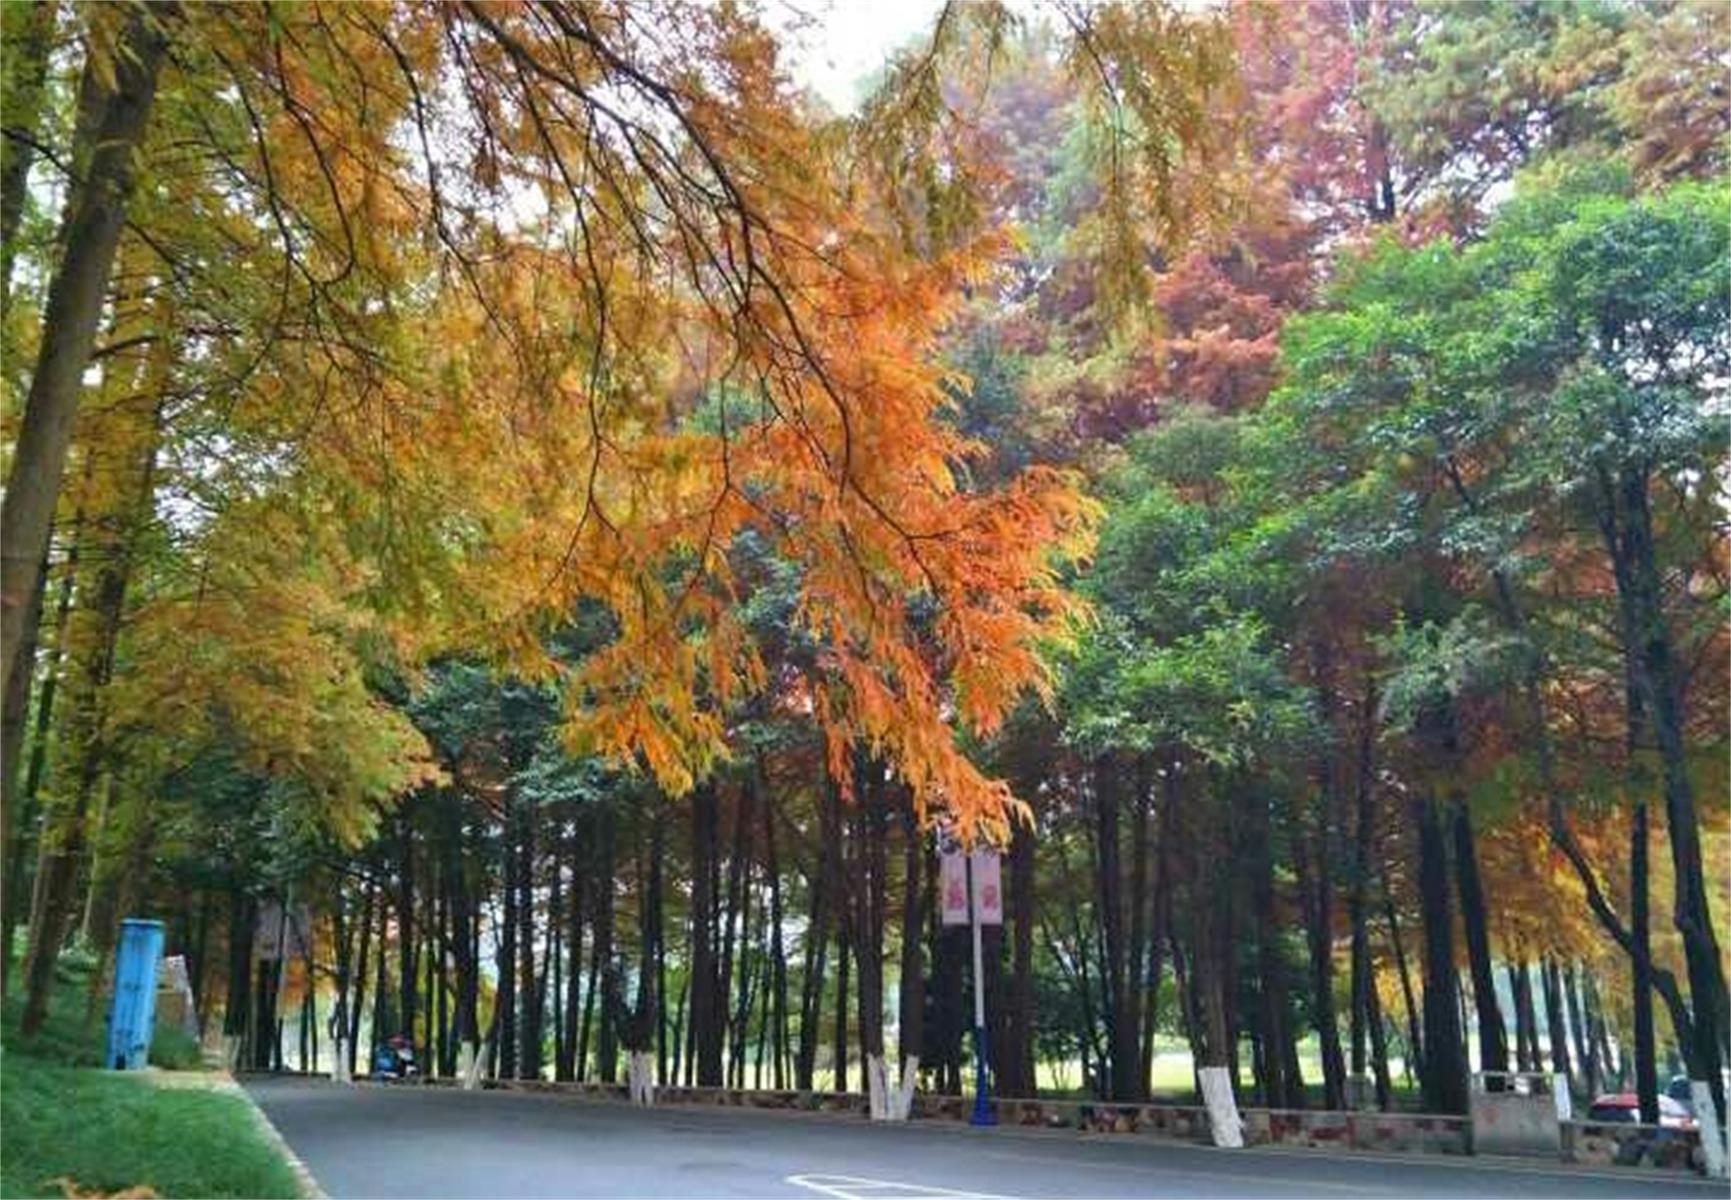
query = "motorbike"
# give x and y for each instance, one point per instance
(394, 1062)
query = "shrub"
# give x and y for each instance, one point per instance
(175, 1049)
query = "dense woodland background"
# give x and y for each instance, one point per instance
(544, 495)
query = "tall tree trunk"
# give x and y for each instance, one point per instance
(237, 1005)
(1646, 1072)
(1319, 892)
(1555, 1021)
(1316, 887)
(728, 912)
(29, 31)
(817, 936)
(647, 1017)
(466, 1017)
(948, 946)
(407, 965)
(1362, 982)
(553, 969)
(1660, 680)
(765, 998)
(666, 1040)
(1210, 979)
(1271, 990)
(1136, 1079)
(607, 1037)
(343, 951)
(777, 948)
(1161, 927)
(1379, 1050)
(1586, 1053)
(911, 999)
(737, 952)
(1523, 1045)
(839, 1054)
(681, 1044)
(528, 1062)
(13, 822)
(445, 1047)
(383, 1024)
(1414, 1038)
(198, 963)
(870, 861)
(565, 1065)
(1443, 1070)
(75, 300)
(136, 434)
(129, 435)
(1493, 1039)
(1526, 1019)
(267, 1042)
(18, 807)
(706, 1001)
(360, 1001)
(1121, 1010)
(504, 1053)
(591, 989)
(125, 878)
(1599, 1033)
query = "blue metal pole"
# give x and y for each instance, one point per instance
(132, 1009)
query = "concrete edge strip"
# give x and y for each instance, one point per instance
(309, 1186)
(1503, 1164)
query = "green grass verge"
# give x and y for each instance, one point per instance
(109, 1131)
(64, 1118)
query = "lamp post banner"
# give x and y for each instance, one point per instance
(953, 886)
(988, 887)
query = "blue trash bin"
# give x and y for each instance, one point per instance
(132, 1013)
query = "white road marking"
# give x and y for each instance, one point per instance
(853, 1187)
(1145, 1169)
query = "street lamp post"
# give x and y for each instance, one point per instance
(982, 1114)
(972, 893)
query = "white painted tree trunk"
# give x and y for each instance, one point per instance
(640, 1078)
(889, 1104)
(902, 1105)
(876, 1087)
(1707, 1118)
(1223, 1119)
(469, 1060)
(232, 1045)
(340, 1069)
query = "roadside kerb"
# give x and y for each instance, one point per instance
(1398, 1134)
(225, 1084)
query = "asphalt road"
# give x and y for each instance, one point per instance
(435, 1142)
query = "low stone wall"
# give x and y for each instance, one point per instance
(1323, 1129)
(1395, 1133)
(1183, 1122)
(1620, 1144)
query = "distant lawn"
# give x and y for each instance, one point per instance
(63, 1118)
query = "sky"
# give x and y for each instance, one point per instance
(835, 45)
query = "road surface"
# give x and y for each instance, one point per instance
(436, 1142)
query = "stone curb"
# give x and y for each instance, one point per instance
(607, 1095)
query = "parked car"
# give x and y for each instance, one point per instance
(1624, 1108)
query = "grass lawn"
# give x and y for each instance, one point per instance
(64, 1118)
